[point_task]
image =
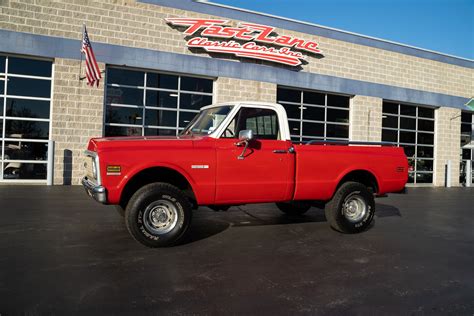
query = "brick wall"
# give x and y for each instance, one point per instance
(229, 89)
(77, 112)
(447, 144)
(365, 119)
(125, 22)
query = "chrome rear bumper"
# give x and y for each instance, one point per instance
(98, 192)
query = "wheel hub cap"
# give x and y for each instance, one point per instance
(354, 208)
(160, 217)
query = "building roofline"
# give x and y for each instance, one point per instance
(329, 28)
(216, 9)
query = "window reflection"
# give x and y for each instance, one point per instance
(28, 108)
(21, 171)
(150, 97)
(29, 87)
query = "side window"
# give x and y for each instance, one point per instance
(263, 123)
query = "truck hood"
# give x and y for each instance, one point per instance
(134, 142)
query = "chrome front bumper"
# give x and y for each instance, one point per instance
(98, 192)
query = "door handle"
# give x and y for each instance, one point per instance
(280, 151)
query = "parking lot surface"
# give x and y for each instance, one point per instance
(62, 253)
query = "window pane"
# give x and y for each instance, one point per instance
(161, 118)
(185, 118)
(389, 107)
(466, 154)
(122, 131)
(288, 95)
(425, 112)
(17, 170)
(31, 67)
(1, 109)
(21, 150)
(338, 101)
(162, 99)
(29, 87)
(27, 108)
(339, 131)
(2, 63)
(2, 86)
(313, 113)
(194, 101)
(294, 128)
(424, 165)
(407, 137)
(409, 151)
(196, 84)
(407, 110)
(124, 115)
(292, 111)
(314, 98)
(407, 123)
(313, 129)
(339, 116)
(262, 122)
(425, 125)
(425, 152)
(390, 121)
(424, 178)
(466, 117)
(120, 95)
(26, 129)
(125, 77)
(159, 132)
(424, 138)
(466, 129)
(411, 178)
(161, 81)
(389, 135)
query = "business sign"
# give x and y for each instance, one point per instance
(246, 40)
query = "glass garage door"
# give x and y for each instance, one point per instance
(315, 115)
(25, 113)
(150, 103)
(467, 144)
(411, 127)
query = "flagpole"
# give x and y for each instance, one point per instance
(80, 65)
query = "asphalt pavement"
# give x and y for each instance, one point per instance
(63, 254)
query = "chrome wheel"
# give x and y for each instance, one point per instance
(160, 217)
(354, 208)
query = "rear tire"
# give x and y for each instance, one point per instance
(294, 208)
(158, 215)
(352, 208)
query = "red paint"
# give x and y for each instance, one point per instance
(311, 173)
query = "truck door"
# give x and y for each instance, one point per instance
(265, 173)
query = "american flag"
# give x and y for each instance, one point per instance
(92, 69)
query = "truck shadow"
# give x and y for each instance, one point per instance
(207, 223)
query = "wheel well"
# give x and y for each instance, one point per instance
(362, 176)
(156, 174)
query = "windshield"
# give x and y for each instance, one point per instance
(207, 121)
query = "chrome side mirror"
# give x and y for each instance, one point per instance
(245, 137)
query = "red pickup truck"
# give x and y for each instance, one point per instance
(232, 154)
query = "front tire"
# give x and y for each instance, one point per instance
(351, 209)
(293, 208)
(158, 215)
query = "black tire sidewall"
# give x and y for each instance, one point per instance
(354, 189)
(136, 210)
